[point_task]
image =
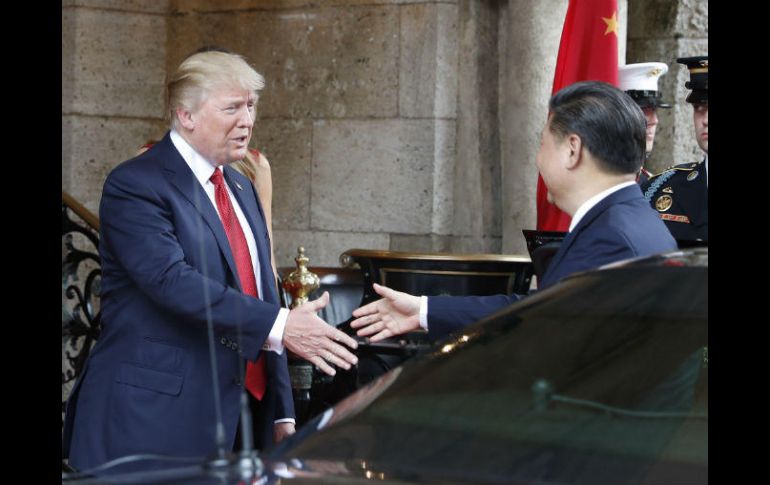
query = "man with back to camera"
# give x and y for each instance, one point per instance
(640, 81)
(183, 244)
(680, 193)
(591, 149)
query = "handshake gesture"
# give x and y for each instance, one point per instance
(308, 336)
(312, 339)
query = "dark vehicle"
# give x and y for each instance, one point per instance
(602, 378)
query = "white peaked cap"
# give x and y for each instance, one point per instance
(641, 77)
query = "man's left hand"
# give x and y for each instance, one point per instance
(282, 430)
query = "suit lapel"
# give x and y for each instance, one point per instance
(247, 199)
(181, 177)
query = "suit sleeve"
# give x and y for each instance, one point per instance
(449, 314)
(280, 379)
(139, 234)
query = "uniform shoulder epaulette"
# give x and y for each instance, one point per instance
(673, 168)
(657, 180)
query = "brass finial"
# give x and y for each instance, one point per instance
(301, 282)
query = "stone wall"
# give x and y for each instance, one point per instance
(389, 124)
(113, 69)
(358, 118)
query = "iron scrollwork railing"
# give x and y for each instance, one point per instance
(81, 278)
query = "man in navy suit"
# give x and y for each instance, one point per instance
(188, 292)
(591, 149)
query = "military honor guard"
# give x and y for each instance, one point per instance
(680, 193)
(640, 81)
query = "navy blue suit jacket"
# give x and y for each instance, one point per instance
(620, 226)
(166, 266)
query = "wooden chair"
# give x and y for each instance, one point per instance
(542, 247)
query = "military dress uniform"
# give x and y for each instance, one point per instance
(680, 195)
(640, 82)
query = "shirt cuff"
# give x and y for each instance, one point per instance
(424, 312)
(275, 339)
(285, 420)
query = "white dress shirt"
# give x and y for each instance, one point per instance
(203, 170)
(587, 205)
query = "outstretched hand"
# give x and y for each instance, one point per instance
(314, 340)
(395, 314)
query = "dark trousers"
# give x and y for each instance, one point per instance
(262, 429)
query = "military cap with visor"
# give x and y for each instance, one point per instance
(699, 78)
(640, 81)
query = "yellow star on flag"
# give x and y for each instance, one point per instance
(612, 23)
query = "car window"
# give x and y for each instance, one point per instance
(601, 377)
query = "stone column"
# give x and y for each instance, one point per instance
(476, 177)
(529, 43)
(113, 69)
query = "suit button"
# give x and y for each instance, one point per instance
(237, 381)
(223, 341)
(235, 346)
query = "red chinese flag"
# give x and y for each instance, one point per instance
(588, 52)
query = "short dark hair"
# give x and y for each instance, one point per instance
(610, 124)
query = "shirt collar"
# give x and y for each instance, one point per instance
(587, 205)
(201, 168)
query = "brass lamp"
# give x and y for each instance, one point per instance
(301, 282)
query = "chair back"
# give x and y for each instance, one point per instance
(433, 274)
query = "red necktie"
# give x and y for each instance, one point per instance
(256, 375)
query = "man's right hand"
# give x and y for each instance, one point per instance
(314, 340)
(396, 313)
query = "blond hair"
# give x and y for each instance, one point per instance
(202, 72)
(248, 165)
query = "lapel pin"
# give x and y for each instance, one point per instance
(692, 175)
(238, 185)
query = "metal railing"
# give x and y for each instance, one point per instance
(81, 278)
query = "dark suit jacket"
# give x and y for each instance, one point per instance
(620, 226)
(166, 266)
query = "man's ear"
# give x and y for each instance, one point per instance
(575, 145)
(185, 118)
